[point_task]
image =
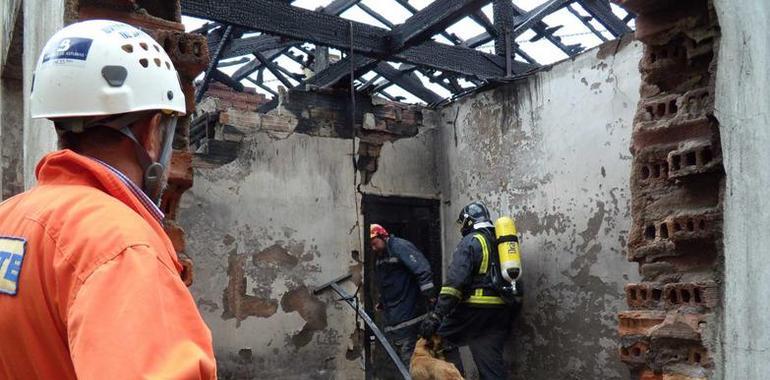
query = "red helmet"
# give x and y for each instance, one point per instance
(376, 230)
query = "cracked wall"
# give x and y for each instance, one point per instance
(552, 151)
(279, 218)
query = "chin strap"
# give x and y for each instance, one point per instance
(153, 182)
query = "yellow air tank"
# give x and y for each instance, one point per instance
(508, 248)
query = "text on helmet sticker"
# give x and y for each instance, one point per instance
(124, 30)
(11, 257)
(72, 48)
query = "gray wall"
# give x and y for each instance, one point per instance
(279, 220)
(743, 90)
(41, 20)
(553, 151)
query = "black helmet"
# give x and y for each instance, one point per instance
(471, 214)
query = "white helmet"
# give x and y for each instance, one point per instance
(103, 67)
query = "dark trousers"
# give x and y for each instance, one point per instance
(484, 331)
(403, 341)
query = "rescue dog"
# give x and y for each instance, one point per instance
(427, 362)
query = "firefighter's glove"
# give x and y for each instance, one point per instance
(430, 325)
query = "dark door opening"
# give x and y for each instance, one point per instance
(416, 220)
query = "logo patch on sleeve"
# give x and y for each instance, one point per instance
(11, 257)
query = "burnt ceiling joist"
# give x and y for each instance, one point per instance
(428, 53)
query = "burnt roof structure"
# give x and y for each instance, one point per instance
(427, 53)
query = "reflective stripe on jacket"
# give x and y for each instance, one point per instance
(97, 289)
(467, 278)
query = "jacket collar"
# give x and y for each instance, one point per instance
(66, 167)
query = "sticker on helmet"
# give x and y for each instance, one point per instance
(69, 49)
(124, 30)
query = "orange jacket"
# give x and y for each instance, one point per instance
(96, 282)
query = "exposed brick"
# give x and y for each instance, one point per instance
(189, 52)
(648, 374)
(676, 186)
(639, 322)
(677, 376)
(635, 353)
(179, 180)
(693, 158)
(698, 356)
(643, 295)
(703, 294)
(143, 20)
(679, 326)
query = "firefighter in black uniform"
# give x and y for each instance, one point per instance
(405, 280)
(469, 311)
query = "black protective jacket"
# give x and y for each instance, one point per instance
(467, 280)
(403, 274)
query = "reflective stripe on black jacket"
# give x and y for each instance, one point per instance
(467, 278)
(402, 274)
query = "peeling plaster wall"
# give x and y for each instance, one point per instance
(552, 150)
(743, 87)
(265, 229)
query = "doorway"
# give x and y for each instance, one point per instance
(417, 220)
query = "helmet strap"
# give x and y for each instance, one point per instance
(152, 178)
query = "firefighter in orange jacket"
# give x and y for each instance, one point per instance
(90, 284)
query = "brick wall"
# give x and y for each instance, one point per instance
(677, 184)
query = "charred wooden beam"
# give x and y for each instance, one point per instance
(213, 63)
(451, 37)
(248, 45)
(586, 20)
(376, 16)
(271, 66)
(336, 72)
(503, 15)
(223, 78)
(407, 81)
(429, 21)
(324, 29)
(602, 11)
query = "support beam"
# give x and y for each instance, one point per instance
(429, 21)
(602, 11)
(221, 77)
(255, 64)
(248, 45)
(503, 15)
(213, 63)
(270, 65)
(586, 20)
(408, 82)
(336, 72)
(297, 23)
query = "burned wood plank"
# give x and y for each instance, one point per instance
(602, 11)
(324, 29)
(432, 19)
(273, 69)
(336, 72)
(408, 82)
(248, 45)
(214, 62)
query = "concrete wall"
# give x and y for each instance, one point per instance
(274, 223)
(8, 12)
(743, 87)
(553, 151)
(41, 20)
